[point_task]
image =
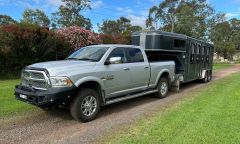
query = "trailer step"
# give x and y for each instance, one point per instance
(127, 97)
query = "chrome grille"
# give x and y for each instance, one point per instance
(35, 79)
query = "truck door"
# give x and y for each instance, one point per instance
(117, 77)
(139, 68)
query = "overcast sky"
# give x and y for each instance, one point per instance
(135, 10)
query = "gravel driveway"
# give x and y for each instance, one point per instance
(58, 126)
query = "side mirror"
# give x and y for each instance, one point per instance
(114, 60)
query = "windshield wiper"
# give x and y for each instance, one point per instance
(87, 59)
(71, 59)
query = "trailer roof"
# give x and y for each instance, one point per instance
(171, 34)
(158, 32)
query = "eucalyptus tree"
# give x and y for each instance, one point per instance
(69, 14)
(190, 17)
(36, 17)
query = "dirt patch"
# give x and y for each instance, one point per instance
(58, 126)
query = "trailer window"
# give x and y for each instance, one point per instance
(179, 43)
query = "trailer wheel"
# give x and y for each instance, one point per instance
(209, 78)
(86, 105)
(162, 88)
(205, 79)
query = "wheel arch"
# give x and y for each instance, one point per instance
(92, 83)
(163, 74)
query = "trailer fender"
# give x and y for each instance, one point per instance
(203, 74)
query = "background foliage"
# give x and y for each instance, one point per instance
(24, 44)
(78, 37)
(36, 37)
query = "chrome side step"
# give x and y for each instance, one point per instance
(127, 97)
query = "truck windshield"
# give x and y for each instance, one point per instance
(88, 54)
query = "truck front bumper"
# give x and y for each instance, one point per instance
(51, 96)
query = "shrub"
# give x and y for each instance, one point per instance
(78, 37)
(110, 39)
(24, 44)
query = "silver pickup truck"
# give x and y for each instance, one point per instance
(94, 76)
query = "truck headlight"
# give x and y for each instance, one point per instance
(60, 82)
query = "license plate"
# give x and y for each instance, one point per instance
(23, 96)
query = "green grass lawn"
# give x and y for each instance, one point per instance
(218, 66)
(9, 106)
(210, 115)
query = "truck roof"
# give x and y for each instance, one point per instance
(114, 45)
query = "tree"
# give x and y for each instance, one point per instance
(6, 20)
(225, 37)
(121, 26)
(190, 17)
(36, 17)
(69, 14)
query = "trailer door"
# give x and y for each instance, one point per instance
(197, 61)
(192, 61)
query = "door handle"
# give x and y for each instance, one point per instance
(126, 68)
(146, 67)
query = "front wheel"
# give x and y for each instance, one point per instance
(86, 105)
(162, 88)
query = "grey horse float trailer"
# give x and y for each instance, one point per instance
(193, 57)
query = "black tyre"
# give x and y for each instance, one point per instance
(162, 88)
(209, 78)
(205, 79)
(86, 105)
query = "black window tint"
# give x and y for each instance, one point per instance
(179, 43)
(118, 52)
(135, 55)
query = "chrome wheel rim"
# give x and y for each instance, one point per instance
(89, 105)
(163, 88)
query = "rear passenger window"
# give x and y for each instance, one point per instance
(134, 55)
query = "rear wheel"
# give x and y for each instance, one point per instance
(205, 79)
(162, 88)
(209, 78)
(86, 105)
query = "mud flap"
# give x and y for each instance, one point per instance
(175, 85)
